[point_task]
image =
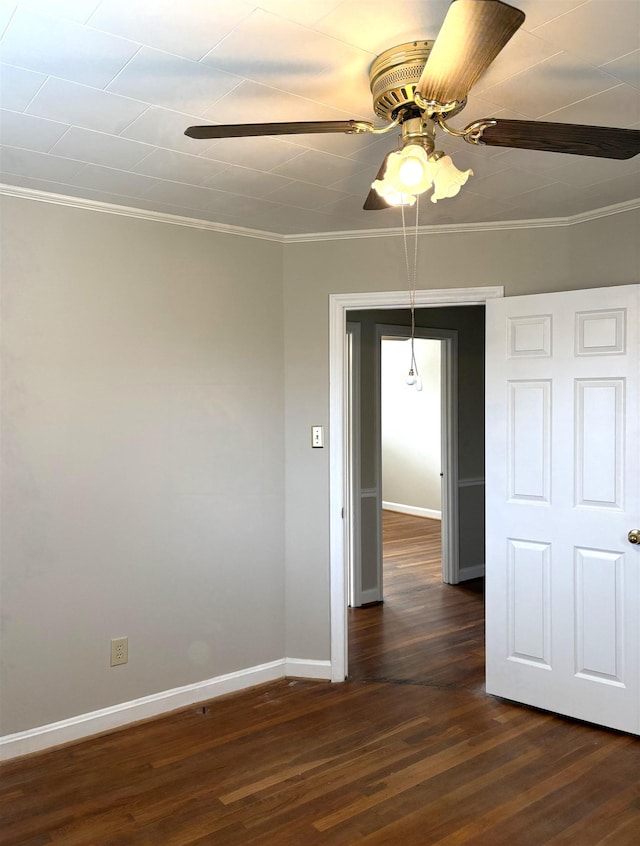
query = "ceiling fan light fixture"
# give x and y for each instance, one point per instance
(414, 170)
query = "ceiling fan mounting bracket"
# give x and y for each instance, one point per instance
(433, 107)
(472, 133)
(393, 78)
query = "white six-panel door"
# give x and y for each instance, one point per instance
(562, 579)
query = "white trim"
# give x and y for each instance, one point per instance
(338, 572)
(480, 226)
(302, 668)
(139, 214)
(353, 493)
(353, 234)
(106, 719)
(414, 510)
(388, 300)
(338, 306)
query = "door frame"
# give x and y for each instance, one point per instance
(352, 511)
(448, 439)
(339, 305)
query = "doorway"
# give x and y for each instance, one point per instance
(426, 480)
(402, 554)
(340, 305)
(410, 426)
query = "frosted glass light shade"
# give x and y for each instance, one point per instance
(447, 179)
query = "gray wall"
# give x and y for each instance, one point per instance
(586, 255)
(142, 458)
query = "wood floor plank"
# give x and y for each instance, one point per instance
(409, 751)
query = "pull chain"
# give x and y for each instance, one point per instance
(412, 275)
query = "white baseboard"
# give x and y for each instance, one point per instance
(413, 510)
(116, 716)
(306, 669)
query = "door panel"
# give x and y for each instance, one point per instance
(529, 602)
(528, 440)
(599, 442)
(563, 582)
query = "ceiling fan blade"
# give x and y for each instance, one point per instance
(244, 130)
(574, 138)
(374, 201)
(472, 35)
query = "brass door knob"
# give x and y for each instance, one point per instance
(634, 536)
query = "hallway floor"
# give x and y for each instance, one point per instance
(425, 632)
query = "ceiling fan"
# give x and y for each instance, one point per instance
(419, 85)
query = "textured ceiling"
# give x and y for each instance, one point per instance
(96, 95)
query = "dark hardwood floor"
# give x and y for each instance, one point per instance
(424, 632)
(410, 751)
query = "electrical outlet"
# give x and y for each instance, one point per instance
(119, 651)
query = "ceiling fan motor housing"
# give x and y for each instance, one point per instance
(394, 75)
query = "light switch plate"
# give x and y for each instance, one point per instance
(317, 437)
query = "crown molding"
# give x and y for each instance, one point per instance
(139, 214)
(487, 226)
(303, 238)
(606, 211)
